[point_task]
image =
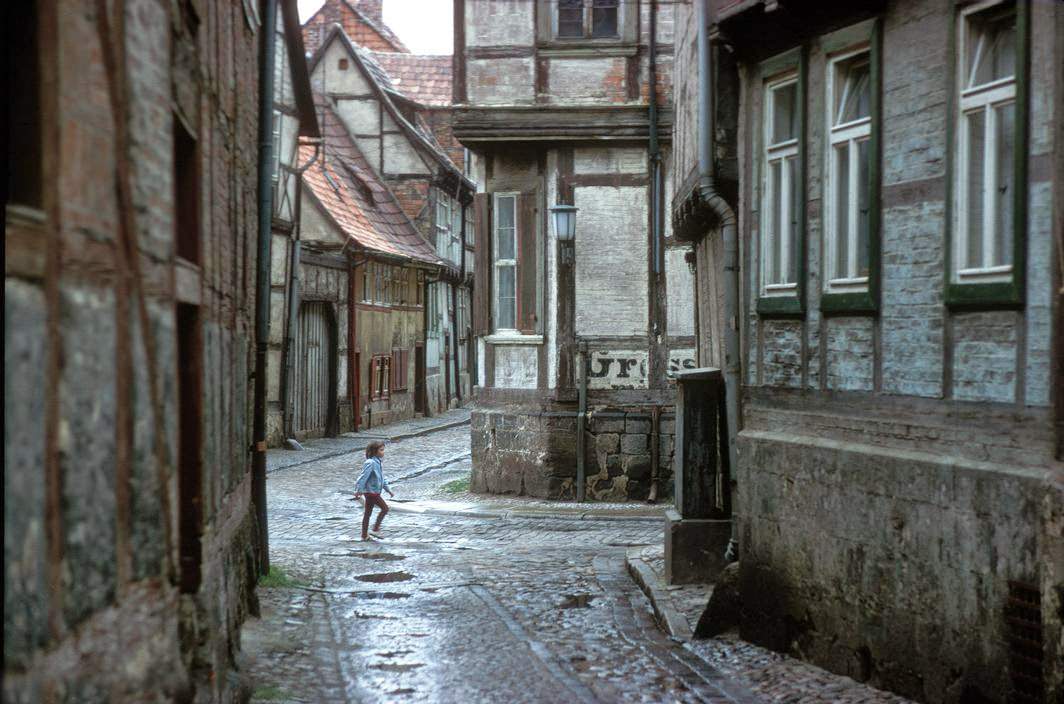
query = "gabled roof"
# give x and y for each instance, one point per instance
(387, 94)
(423, 78)
(359, 204)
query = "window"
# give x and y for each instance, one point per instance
(380, 370)
(24, 146)
(276, 146)
(781, 195)
(434, 309)
(456, 233)
(367, 282)
(581, 19)
(848, 185)
(419, 284)
(186, 194)
(505, 262)
(443, 225)
(463, 313)
(986, 180)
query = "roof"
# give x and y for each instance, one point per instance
(358, 202)
(423, 78)
(414, 128)
(334, 10)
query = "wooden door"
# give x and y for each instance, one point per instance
(314, 352)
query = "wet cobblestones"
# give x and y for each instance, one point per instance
(450, 608)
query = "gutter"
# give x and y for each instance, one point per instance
(262, 277)
(728, 224)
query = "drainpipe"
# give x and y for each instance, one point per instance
(293, 295)
(581, 421)
(262, 277)
(729, 234)
(655, 148)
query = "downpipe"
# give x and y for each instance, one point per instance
(581, 423)
(262, 278)
(729, 235)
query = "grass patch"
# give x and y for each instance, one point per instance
(458, 486)
(270, 693)
(278, 578)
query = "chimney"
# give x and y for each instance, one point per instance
(372, 8)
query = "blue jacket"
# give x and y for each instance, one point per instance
(372, 479)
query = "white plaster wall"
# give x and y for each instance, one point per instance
(371, 149)
(500, 81)
(400, 157)
(314, 226)
(515, 366)
(500, 22)
(611, 260)
(586, 80)
(679, 292)
(616, 160)
(327, 74)
(359, 115)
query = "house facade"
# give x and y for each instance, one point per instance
(432, 190)
(569, 103)
(885, 177)
(130, 228)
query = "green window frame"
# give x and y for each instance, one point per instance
(775, 299)
(1003, 289)
(863, 297)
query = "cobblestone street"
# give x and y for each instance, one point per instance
(470, 600)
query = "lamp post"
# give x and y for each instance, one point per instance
(564, 217)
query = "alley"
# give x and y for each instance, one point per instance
(472, 600)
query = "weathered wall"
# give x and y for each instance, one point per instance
(533, 453)
(920, 438)
(92, 610)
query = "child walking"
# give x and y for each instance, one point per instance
(370, 485)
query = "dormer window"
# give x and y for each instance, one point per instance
(587, 19)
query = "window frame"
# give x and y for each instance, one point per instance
(1001, 286)
(495, 262)
(587, 22)
(443, 224)
(380, 377)
(841, 45)
(791, 66)
(622, 44)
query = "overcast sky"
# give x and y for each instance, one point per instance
(423, 25)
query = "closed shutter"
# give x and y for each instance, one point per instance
(482, 266)
(527, 271)
(396, 385)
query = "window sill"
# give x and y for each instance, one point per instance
(513, 339)
(849, 302)
(984, 296)
(582, 48)
(780, 307)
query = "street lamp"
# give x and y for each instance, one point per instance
(564, 222)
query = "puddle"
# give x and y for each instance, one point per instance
(404, 690)
(387, 556)
(392, 667)
(389, 654)
(576, 601)
(381, 595)
(335, 518)
(416, 635)
(372, 617)
(381, 577)
(430, 590)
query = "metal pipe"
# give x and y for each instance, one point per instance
(729, 235)
(655, 453)
(262, 278)
(655, 147)
(581, 419)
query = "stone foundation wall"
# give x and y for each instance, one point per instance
(527, 452)
(893, 566)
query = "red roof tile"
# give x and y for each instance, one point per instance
(360, 204)
(425, 79)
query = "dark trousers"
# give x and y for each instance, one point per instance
(371, 501)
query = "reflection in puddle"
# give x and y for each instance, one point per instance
(381, 595)
(393, 667)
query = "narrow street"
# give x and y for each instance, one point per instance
(463, 601)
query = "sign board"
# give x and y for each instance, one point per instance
(617, 369)
(681, 359)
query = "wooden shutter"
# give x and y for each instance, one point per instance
(482, 265)
(527, 212)
(395, 370)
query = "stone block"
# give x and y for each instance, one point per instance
(694, 548)
(615, 465)
(608, 442)
(667, 426)
(637, 424)
(607, 423)
(637, 466)
(633, 444)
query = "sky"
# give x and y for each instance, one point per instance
(423, 25)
